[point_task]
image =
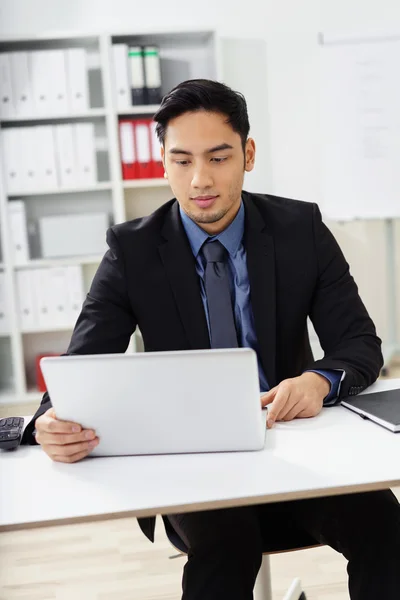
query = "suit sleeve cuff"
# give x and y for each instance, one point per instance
(335, 378)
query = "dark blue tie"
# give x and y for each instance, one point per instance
(216, 279)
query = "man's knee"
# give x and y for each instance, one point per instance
(228, 531)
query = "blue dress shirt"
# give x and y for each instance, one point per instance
(232, 240)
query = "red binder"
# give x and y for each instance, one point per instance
(40, 382)
(156, 161)
(129, 165)
(143, 148)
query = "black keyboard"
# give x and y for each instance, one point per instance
(11, 429)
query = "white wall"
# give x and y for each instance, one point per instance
(290, 29)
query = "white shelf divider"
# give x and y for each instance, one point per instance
(9, 396)
(140, 109)
(38, 263)
(98, 187)
(47, 329)
(145, 183)
(33, 395)
(93, 113)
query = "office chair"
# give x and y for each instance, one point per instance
(289, 541)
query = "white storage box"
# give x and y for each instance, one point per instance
(73, 235)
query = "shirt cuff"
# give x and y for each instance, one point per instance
(335, 378)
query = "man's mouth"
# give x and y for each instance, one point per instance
(204, 201)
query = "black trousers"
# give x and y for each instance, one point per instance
(226, 545)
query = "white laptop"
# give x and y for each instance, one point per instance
(161, 402)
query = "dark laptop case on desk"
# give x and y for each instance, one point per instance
(381, 407)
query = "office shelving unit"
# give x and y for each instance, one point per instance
(184, 55)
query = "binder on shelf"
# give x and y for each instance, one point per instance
(22, 86)
(30, 157)
(86, 157)
(14, 171)
(59, 104)
(76, 292)
(121, 76)
(7, 107)
(19, 231)
(157, 167)
(5, 325)
(143, 148)
(43, 297)
(152, 69)
(80, 234)
(129, 164)
(40, 382)
(77, 79)
(66, 156)
(41, 81)
(137, 80)
(49, 82)
(57, 285)
(27, 308)
(44, 154)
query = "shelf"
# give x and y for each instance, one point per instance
(142, 109)
(145, 183)
(33, 396)
(98, 187)
(93, 113)
(48, 329)
(7, 396)
(38, 263)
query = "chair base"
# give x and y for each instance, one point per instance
(263, 588)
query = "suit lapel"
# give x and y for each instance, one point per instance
(180, 266)
(259, 245)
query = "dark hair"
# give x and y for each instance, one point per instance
(208, 95)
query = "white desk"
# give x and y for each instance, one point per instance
(336, 452)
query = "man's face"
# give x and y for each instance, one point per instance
(205, 164)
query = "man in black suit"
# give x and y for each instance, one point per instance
(219, 267)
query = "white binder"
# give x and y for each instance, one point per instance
(77, 80)
(5, 324)
(43, 297)
(19, 231)
(42, 80)
(22, 86)
(14, 169)
(66, 156)
(49, 82)
(27, 307)
(7, 108)
(73, 234)
(45, 156)
(76, 292)
(57, 286)
(86, 154)
(121, 76)
(30, 152)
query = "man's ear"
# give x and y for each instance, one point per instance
(250, 154)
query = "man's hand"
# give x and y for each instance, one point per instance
(299, 397)
(64, 441)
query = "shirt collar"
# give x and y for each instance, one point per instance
(231, 237)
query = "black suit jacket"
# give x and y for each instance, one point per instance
(296, 269)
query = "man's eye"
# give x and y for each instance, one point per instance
(218, 159)
(182, 163)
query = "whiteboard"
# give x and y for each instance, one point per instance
(360, 127)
